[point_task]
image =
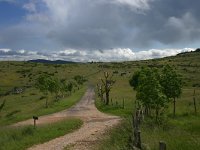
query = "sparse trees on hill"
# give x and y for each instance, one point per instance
(52, 85)
(197, 50)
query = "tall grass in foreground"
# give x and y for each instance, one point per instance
(178, 133)
(24, 137)
(116, 138)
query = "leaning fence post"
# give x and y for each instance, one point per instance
(162, 145)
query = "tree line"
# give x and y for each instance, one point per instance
(51, 85)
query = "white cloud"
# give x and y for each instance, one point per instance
(38, 17)
(55, 12)
(5, 50)
(58, 9)
(31, 7)
(67, 52)
(20, 55)
(136, 5)
(22, 51)
(186, 27)
(108, 55)
(159, 53)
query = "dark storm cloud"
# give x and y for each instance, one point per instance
(171, 22)
(102, 24)
(95, 26)
(108, 25)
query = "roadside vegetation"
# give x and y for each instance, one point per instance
(18, 107)
(34, 89)
(21, 138)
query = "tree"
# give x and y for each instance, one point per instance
(70, 87)
(100, 91)
(67, 87)
(107, 83)
(63, 88)
(171, 83)
(55, 87)
(156, 89)
(149, 91)
(134, 80)
(44, 84)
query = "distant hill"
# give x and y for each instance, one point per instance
(196, 51)
(51, 61)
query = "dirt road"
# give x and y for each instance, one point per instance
(95, 124)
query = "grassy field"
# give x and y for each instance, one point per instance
(24, 137)
(180, 132)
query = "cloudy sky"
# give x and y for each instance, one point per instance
(98, 30)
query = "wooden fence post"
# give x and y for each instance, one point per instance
(194, 101)
(34, 119)
(162, 145)
(139, 145)
(123, 103)
(136, 131)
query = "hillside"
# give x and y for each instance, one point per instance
(16, 74)
(51, 61)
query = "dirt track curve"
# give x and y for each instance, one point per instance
(95, 124)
